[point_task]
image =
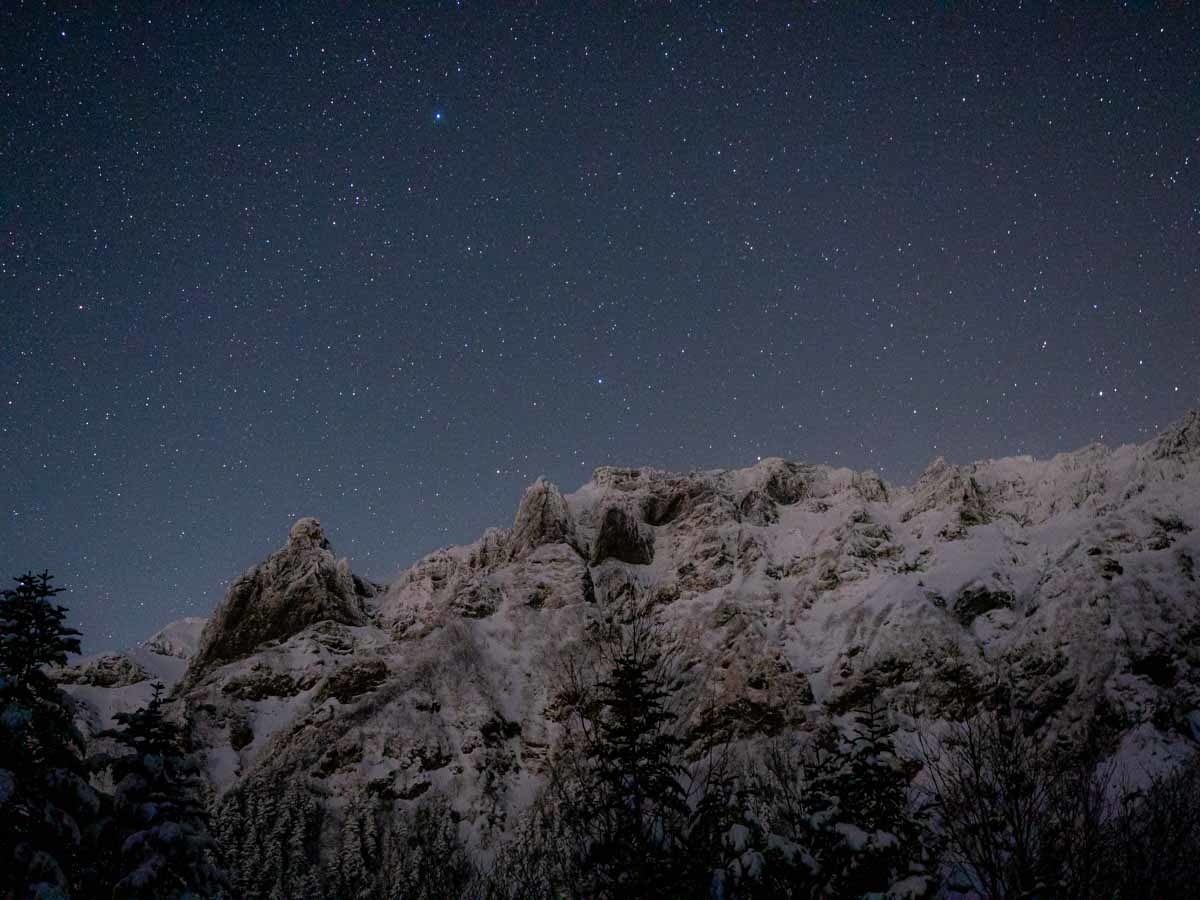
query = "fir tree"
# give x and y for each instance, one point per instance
(45, 801)
(159, 829)
(636, 773)
(833, 815)
(882, 840)
(621, 785)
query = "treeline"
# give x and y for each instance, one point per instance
(872, 802)
(866, 801)
(128, 823)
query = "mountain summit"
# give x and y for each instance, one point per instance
(297, 586)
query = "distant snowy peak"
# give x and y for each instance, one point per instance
(108, 683)
(179, 639)
(162, 657)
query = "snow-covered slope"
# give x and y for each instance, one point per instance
(109, 683)
(783, 586)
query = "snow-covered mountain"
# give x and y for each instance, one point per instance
(783, 586)
(109, 683)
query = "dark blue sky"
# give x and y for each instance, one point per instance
(386, 266)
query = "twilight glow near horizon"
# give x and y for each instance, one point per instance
(387, 266)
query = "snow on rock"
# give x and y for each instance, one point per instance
(1181, 441)
(179, 639)
(542, 518)
(781, 586)
(299, 585)
(109, 670)
(621, 536)
(109, 683)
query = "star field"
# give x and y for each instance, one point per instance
(387, 266)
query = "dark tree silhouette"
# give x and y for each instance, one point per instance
(1021, 817)
(623, 813)
(833, 814)
(158, 831)
(45, 800)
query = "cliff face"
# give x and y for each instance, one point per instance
(783, 587)
(299, 585)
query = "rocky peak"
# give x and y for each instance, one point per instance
(785, 482)
(543, 518)
(307, 533)
(949, 487)
(298, 585)
(1181, 440)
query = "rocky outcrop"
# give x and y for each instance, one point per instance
(786, 482)
(297, 586)
(542, 518)
(622, 537)
(670, 498)
(946, 487)
(111, 670)
(1181, 441)
(870, 487)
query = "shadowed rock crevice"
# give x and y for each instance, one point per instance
(622, 537)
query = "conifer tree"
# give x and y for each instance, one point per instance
(45, 801)
(636, 770)
(620, 784)
(269, 834)
(882, 840)
(834, 815)
(159, 834)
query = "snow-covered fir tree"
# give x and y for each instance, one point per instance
(157, 833)
(45, 800)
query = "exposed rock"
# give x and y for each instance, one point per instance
(241, 735)
(542, 518)
(109, 671)
(673, 499)
(972, 602)
(619, 478)
(262, 682)
(870, 487)
(1181, 441)
(353, 680)
(553, 577)
(785, 482)
(946, 487)
(757, 508)
(622, 537)
(297, 586)
(477, 599)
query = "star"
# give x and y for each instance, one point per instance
(285, 263)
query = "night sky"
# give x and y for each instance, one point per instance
(386, 267)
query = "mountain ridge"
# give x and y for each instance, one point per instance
(787, 591)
